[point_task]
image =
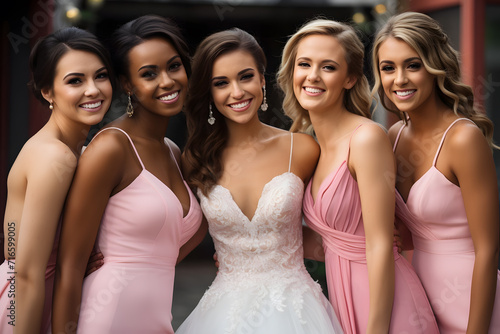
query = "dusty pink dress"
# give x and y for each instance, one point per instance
(444, 253)
(140, 235)
(336, 216)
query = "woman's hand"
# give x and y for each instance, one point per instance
(96, 260)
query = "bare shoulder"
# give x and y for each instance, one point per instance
(464, 135)
(370, 136)
(465, 144)
(47, 156)
(108, 145)
(305, 145)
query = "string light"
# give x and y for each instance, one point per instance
(358, 18)
(380, 9)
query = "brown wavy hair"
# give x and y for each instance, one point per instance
(426, 37)
(356, 100)
(205, 144)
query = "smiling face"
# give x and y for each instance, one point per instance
(236, 86)
(404, 78)
(81, 90)
(157, 77)
(320, 75)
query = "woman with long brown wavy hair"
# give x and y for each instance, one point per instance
(250, 179)
(446, 179)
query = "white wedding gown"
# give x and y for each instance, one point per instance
(262, 286)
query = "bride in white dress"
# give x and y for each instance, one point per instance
(250, 179)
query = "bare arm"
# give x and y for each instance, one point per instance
(99, 171)
(473, 165)
(48, 180)
(370, 159)
(305, 157)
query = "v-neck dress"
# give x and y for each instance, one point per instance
(336, 215)
(140, 235)
(444, 253)
(262, 286)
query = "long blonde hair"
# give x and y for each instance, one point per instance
(356, 100)
(426, 37)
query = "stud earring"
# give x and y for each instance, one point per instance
(130, 107)
(211, 118)
(51, 106)
(264, 105)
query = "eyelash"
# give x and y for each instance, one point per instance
(75, 81)
(244, 77)
(326, 67)
(172, 68)
(411, 66)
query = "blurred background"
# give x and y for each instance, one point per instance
(472, 25)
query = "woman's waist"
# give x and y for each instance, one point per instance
(444, 246)
(239, 266)
(141, 260)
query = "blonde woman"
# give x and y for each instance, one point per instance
(350, 199)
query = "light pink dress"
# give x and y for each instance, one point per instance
(444, 253)
(336, 216)
(8, 291)
(140, 235)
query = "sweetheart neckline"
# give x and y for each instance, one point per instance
(260, 198)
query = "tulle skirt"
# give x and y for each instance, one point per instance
(239, 312)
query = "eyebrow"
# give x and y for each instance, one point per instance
(404, 61)
(323, 61)
(156, 66)
(239, 73)
(81, 74)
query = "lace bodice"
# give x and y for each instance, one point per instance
(263, 255)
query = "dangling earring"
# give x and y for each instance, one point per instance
(130, 107)
(51, 106)
(264, 105)
(211, 118)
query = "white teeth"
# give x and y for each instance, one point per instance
(404, 93)
(240, 105)
(313, 90)
(169, 97)
(92, 105)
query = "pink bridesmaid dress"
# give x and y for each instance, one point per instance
(444, 253)
(336, 216)
(140, 235)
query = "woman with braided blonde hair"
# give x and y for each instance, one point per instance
(446, 180)
(349, 201)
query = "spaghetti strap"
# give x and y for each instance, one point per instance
(291, 150)
(444, 136)
(397, 138)
(349, 147)
(173, 157)
(129, 139)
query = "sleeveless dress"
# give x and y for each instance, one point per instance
(336, 216)
(140, 235)
(444, 253)
(7, 291)
(262, 286)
